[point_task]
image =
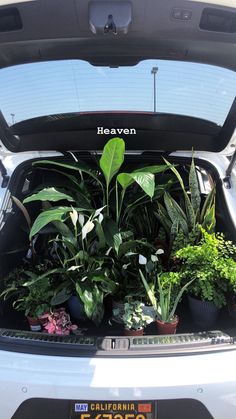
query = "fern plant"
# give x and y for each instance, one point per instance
(211, 263)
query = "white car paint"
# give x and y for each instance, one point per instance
(209, 378)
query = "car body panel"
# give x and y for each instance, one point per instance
(208, 378)
(153, 32)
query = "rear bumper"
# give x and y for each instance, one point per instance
(207, 378)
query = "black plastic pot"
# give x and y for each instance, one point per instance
(204, 313)
(76, 308)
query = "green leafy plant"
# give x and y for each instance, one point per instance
(87, 270)
(133, 315)
(165, 293)
(92, 243)
(211, 263)
(110, 164)
(30, 291)
(182, 219)
(111, 183)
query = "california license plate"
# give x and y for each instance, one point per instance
(112, 410)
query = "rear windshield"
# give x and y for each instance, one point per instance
(56, 87)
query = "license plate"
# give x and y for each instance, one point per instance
(112, 410)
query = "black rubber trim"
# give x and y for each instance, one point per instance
(107, 346)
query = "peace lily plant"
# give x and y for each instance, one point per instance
(91, 235)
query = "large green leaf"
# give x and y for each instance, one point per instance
(152, 169)
(112, 158)
(49, 216)
(82, 199)
(49, 194)
(209, 220)
(145, 180)
(100, 235)
(175, 212)
(112, 235)
(66, 233)
(140, 198)
(178, 297)
(149, 290)
(174, 229)
(78, 167)
(208, 204)
(191, 219)
(35, 278)
(134, 246)
(92, 298)
(194, 189)
(107, 285)
(46, 217)
(162, 216)
(175, 171)
(126, 179)
(61, 297)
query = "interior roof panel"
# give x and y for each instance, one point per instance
(58, 29)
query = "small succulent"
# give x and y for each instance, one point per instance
(57, 322)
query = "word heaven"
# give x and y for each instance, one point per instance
(115, 131)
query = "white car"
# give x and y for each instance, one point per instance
(161, 75)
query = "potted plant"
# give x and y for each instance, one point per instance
(87, 276)
(57, 322)
(98, 201)
(181, 218)
(133, 318)
(165, 293)
(105, 186)
(30, 292)
(212, 266)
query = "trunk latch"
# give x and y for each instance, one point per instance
(110, 344)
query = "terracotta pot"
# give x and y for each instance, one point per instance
(132, 332)
(34, 324)
(167, 328)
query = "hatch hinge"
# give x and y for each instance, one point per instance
(227, 178)
(5, 177)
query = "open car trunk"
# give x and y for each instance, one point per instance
(161, 76)
(15, 250)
